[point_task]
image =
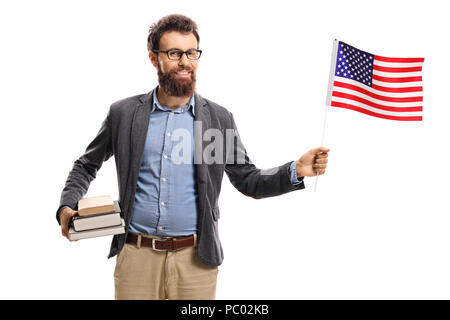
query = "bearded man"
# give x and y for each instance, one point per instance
(171, 248)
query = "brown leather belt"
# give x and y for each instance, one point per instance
(170, 244)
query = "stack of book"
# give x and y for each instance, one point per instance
(96, 217)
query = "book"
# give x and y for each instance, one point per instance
(94, 205)
(100, 232)
(99, 220)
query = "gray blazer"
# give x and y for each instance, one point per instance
(123, 134)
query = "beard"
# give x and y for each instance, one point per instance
(174, 86)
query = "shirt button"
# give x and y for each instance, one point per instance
(160, 228)
(162, 203)
(168, 134)
(163, 179)
(165, 156)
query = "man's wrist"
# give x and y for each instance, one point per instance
(293, 174)
(61, 210)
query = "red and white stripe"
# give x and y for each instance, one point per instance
(396, 92)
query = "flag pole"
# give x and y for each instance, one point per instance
(329, 92)
(321, 143)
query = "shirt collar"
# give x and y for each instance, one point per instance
(190, 105)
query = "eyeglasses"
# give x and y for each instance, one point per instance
(176, 54)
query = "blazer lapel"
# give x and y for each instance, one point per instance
(202, 123)
(139, 128)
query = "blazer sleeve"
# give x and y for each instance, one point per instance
(85, 168)
(252, 181)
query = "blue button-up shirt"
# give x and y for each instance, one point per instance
(166, 193)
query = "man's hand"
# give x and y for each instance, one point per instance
(315, 160)
(65, 216)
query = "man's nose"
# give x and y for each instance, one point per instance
(183, 60)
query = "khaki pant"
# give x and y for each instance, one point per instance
(144, 273)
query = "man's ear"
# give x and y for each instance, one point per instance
(153, 58)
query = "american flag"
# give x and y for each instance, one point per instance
(389, 88)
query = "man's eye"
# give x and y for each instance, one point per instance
(174, 53)
(192, 52)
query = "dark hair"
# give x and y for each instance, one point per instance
(172, 22)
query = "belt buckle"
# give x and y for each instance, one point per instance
(153, 245)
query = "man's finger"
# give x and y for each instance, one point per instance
(322, 155)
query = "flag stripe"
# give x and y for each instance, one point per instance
(376, 110)
(374, 114)
(395, 69)
(389, 89)
(377, 96)
(379, 102)
(397, 64)
(397, 74)
(388, 59)
(406, 79)
(387, 107)
(374, 89)
(397, 84)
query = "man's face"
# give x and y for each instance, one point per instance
(172, 75)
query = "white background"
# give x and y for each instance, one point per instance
(377, 227)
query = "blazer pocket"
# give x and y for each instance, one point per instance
(216, 213)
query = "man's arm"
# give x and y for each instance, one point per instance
(255, 182)
(85, 168)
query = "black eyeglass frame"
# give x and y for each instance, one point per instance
(182, 52)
